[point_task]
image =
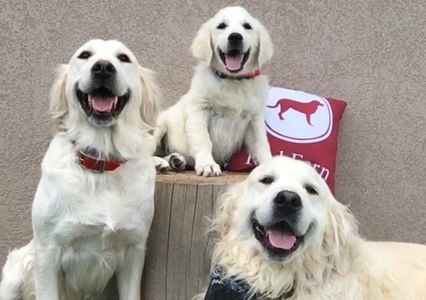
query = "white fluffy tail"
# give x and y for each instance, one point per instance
(15, 272)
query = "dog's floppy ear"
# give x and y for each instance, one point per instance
(341, 226)
(58, 103)
(201, 47)
(151, 97)
(266, 48)
(227, 204)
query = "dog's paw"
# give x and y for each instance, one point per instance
(161, 165)
(208, 170)
(177, 162)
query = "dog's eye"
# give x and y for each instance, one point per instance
(221, 26)
(247, 26)
(85, 55)
(267, 179)
(123, 58)
(311, 189)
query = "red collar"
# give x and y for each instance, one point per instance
(98, 165)
(250, 75)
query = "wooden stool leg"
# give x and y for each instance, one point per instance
(179, 249)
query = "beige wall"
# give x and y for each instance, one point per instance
(370, 52)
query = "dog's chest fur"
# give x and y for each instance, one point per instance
(92, 218)
(227, 129)
(89, 260)
(232, 105)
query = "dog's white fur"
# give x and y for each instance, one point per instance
(333, 262)
(217, 116)
(88, 226)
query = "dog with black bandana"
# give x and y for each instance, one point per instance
(283, 236)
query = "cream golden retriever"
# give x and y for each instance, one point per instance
(282, 235)
(223, 109)
(94, 204)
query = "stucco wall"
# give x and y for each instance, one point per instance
(370, 52)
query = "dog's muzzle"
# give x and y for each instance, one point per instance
(100, 101)
(279, 236)
(234, 58)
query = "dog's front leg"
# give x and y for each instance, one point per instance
(200, 143)
(256, 140)
(129, 274)
(46, 272)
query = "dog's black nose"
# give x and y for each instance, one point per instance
(235, 37)
(103, 68)
(288, 201)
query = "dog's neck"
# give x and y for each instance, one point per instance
(119, 141)
(98, 143)
(249, 75)
(94, 153)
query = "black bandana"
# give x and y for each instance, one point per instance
(228, 288)
(231, 288)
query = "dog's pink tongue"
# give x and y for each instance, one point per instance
(233, 63)
(280, 239)
(102, 104)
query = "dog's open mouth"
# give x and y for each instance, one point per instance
(278, 239)
(102, 103)
(234, 60)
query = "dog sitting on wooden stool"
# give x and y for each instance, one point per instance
(223, 109)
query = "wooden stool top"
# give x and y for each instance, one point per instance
(189, 177)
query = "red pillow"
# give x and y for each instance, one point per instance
(302, 126)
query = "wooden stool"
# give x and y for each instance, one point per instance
(177, 264)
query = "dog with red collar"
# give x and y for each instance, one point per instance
(94, 204)
(222, 111)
